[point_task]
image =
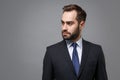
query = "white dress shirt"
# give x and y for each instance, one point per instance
(79, 48)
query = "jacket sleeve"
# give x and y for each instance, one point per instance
(101, 73)
(47, 67)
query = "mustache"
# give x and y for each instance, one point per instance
(65, 31)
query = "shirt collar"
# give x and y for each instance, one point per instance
(79, 43)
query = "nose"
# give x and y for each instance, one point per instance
(64, 27)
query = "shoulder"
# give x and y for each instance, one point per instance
(91, 44)
(55, 48)
(93, 48)
(57, 45)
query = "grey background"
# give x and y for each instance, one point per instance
(28, 26)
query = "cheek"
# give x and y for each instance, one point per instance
(73, 29)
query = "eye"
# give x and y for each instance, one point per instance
(62, 22)
(70, 23)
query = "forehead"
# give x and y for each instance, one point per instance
(69, 15)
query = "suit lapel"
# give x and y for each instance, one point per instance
(85, 52)
(65, 53)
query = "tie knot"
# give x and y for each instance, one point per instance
(74, 45)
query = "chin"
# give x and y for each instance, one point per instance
(66, 38)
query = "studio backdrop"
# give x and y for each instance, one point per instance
(27, 27)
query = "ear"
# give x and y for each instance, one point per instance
(82, 24)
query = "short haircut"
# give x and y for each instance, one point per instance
(81, 14)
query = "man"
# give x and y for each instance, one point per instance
(74, 58)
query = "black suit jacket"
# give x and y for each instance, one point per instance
(57, 64)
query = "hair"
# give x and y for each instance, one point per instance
(81, 14)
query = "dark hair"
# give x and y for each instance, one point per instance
(81, 14)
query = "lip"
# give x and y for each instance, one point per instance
(65, 32)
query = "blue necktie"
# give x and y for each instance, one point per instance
(75, 58)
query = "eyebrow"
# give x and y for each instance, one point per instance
(67, 21)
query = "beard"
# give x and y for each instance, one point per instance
(71, 36)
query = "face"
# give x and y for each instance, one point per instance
(71, 29)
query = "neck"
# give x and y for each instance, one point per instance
(76, 39)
